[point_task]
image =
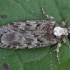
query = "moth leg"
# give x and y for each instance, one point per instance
(64, 40)
(57, 51)
(67, 19)
(48, 17)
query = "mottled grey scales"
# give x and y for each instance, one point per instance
(31, 34)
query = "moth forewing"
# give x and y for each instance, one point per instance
(31, 34)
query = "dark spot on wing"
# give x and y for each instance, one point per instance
(29, 40)
(39, 40)
(28, 25)
(38, 25)
(10, 37)
(24, 32)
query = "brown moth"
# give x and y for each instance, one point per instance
(33, 34)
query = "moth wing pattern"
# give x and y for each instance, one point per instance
(31, 34)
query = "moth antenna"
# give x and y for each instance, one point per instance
(43, 11)
(67, 19)
(48, 17)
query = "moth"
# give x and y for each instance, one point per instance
(33, 34)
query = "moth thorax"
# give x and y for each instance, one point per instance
(59, 31)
